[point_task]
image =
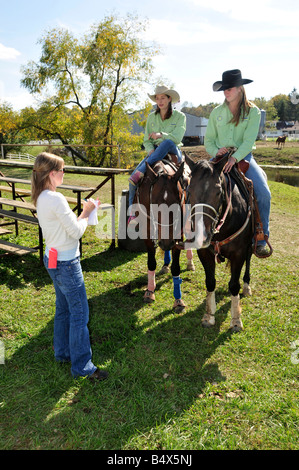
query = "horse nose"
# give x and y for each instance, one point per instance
(201, 238)
(166, 245)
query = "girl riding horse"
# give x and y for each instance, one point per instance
(235, 123)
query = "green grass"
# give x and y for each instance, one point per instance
(267, 153)
(172, 384)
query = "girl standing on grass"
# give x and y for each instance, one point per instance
(62, 231)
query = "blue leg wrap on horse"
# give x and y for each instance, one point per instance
(167, 257)
(177, 281)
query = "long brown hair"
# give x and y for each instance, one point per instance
(43, 165)
(243, 107)
(169, 109)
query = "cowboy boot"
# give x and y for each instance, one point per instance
(136, 177)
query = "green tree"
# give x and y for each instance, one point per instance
(10, 127)
(201, 110)
(87, 85)
(268, 106)
(281, 103)
(294, 105)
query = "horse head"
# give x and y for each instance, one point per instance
(206, 195)
(166, 200)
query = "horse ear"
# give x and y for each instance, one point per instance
(189, 162)
(178, 173)
(150, 173)
(219, 164)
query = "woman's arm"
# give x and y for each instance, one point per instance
(250, 134)
(211, 136)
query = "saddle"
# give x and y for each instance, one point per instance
(172, 160)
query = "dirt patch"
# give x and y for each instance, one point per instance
(197, 152)
(283, 236)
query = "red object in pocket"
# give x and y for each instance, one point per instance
(52, 258)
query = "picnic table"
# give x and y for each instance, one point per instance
(12, 185)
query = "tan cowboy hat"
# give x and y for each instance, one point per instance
(163, 90)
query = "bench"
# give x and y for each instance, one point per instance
(25, 218)
(13, 248)
(17, 202)
(16, 249)
(19, 192)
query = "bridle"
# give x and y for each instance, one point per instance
(227, 194)
(215, 219)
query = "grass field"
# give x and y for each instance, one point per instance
(172, 384)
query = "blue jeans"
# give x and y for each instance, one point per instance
(167, 146)
(71, 335)
(261, 190)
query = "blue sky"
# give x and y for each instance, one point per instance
(199, 39)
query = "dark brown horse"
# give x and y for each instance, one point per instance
(159, 202)
(281, 141)
(222, 228)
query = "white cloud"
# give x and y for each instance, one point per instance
(18, 100)
(257, 11)
(176, 33)
(7, 53)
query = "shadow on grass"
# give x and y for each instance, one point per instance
(158, 364)
(17, 272)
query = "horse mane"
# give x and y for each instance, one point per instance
(202, 165)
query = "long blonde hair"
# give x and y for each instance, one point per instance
(243, 107)
(43, 165)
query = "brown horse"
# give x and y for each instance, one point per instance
(160, 204)
(222, 227)
(281, 141)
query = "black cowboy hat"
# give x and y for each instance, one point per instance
(230, 78)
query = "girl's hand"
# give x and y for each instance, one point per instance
(230, 163)
(221, 151)
(155, 135)
(88, 207)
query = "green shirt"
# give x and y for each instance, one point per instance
(222, 133)
(173, 128)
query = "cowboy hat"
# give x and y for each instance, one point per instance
(163, 90)
(230, 79)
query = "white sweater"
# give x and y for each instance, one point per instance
(60, 227)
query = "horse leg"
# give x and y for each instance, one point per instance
(246, 278)
(178, 305)
(165, 267)
(236, 324)
(149, 295)
(190, 264)
(207, 259)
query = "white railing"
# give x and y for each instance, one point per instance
(20, 156)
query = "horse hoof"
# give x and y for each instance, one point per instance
(246, 290)
(190, 266)
(179, 306)
(164, 270)
(149, 297)
(236, 325)
(208, 321)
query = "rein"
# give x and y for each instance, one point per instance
(218, 244)
(215, 219)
